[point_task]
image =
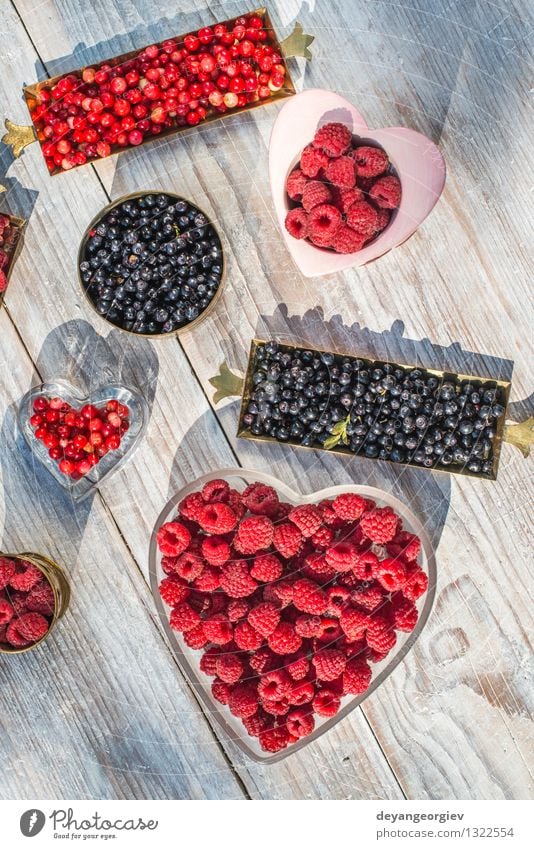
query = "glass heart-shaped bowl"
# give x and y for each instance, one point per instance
(114, 459)
(188, 659)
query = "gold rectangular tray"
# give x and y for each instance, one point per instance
(18, 224)
(287, 90)
(484, 382)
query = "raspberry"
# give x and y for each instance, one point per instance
(263, 660)
(190, 506)
(315, 193)
(7, 570)
(274, 739)
(254, 534)
(386, 192)
(365, 567)
(173, 538)
(282, 592)
(295, 184)
(341, 172)
(406, 545)
(287, 539)
(6, 611)
(307, 518)
(309, 597)
(234, 502)
(14, 637)
(257, 723)
(383, 219)
(298, 667)
(168, 564)
(264, 618)
(391, 574)
(312, 160)
(209, 580)
(229, 668)
(243, 700)
(349, 506)
(354, 623)
(370, 597)
(237, 610)
(215, 550)
(217, 518)
(25, 577)
(274, 685)
(236, 581)
(40, 599)
(346, 197)
(208, 661)
(195, 638)
(334, 138)
(317, 567)
(300, 723)
(337, 598)
(17, 600)
(183, 617)
(32, 626)
(329, 664)
(416, 584)
(380, 635)
(216, 490)
(342, 556)
(356, 677)
(379, 525)
(266, 567)
(323, 537)
(246, 637)
(301, 694)
(284, 639)
(363, 218)
(221, 691)
(404, 614)
(296, 223)
(173, 590)
(326, 702)
(330, 630)
(189, 566)
(348, 241)
(260, 499)
(323, 221)
(308, 626)
(276, 707)
(370, 161)
(218, 629)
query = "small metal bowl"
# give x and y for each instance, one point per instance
(56, 577)
(133, 196)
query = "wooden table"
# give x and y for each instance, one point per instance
(101, 710)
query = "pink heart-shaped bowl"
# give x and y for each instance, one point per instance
(415, 158)
(110, 462)
(189, 658)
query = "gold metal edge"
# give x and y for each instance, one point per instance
(505, 385)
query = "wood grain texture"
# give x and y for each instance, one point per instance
(454, 720)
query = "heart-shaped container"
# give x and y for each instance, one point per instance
(113, 460)
(416, 160)
(188, 658)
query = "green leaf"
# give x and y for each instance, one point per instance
(339, 434)
(227, 384)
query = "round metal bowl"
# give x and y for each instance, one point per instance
(96, 220)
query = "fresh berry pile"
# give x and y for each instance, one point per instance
(341, 192)
(78, 439)
(9, 236)
(26, 603)
(152, 264)
(86, 115)
(379, 410)
(290, 605)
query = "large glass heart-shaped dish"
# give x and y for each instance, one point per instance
(138, 415)
(189, 658)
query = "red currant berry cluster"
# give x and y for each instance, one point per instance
(9, 235)
(291, 605)
(90, 114)
(78, 439)
(27, 603)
